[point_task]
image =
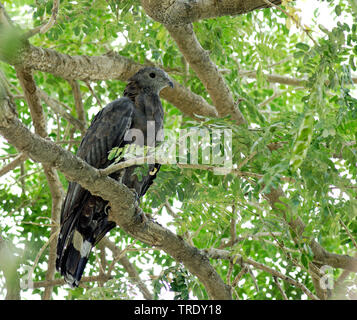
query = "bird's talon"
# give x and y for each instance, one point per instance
(140, 215)
(137, 198)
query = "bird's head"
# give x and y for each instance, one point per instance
(152, 78)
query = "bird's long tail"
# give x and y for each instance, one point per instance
(76, 239)
(73, 259)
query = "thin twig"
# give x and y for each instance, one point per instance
(94, 94)
(59, 107)
(129, 267)
(9, 156)
(24, 176)
(60, 282)
(170, 211)
(233, 227)
(297, 23)
(151, 159)
(348, 232)
(20, 158)
(241, 273)
(223, 254)
(283, 294)
(39, 254)
(39, 224)
(48, 25)
(78, 103)
(248, 237)
(118, 257)
(275, 95)
(229, 273)
(246, 159)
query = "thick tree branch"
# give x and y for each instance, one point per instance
(322, 256)
(120, 197)
(30, 91)
(105, 67)
(180, 12)
(206, 70)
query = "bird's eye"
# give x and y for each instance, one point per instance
(152, 75)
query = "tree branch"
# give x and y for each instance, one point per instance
(274, 78)
(152, 158)
(48, 25)
(282, 292)
(321, 256)
(179, 12)
(57, 108)
(78, 103)
(277, 78)
(223, 254)
(61, 282)
(31, 95)
(4, 18)
(258, 235)
(13, 164)
(105, 67)
(130, 269)
(206, 70)
(30, 91)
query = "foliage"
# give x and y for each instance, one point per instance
(315, 127)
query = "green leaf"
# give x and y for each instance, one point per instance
(305, 260)
(298, 54)
(303, 46)
(302, 141)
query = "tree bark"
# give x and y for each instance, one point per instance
(181, 12)
(105, 67)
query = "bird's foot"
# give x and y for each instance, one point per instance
(137, 198)
(140, 216)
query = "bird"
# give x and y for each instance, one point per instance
(84, 217)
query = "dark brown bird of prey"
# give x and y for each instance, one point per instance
(84, 217)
